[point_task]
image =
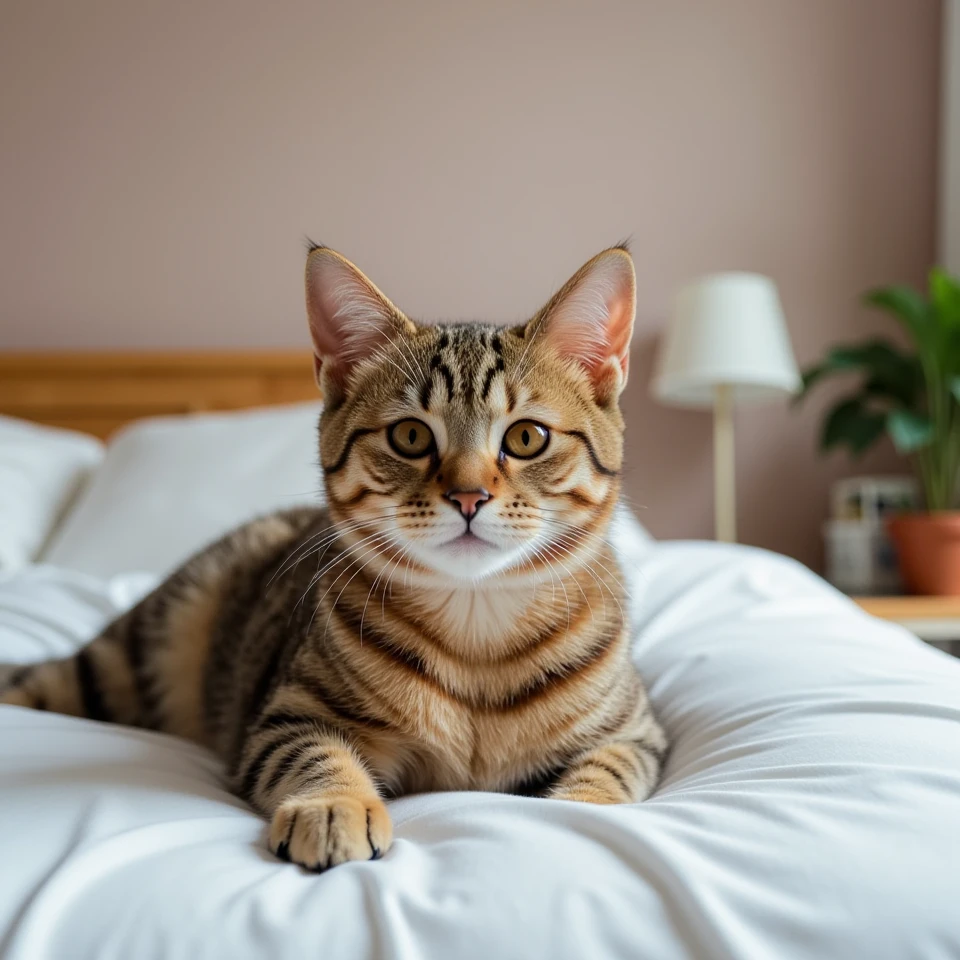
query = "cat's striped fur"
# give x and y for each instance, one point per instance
(337, 657)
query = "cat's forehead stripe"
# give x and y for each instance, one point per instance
(465, 361)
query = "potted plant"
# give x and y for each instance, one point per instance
(914, 397)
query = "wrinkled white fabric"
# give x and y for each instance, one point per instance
(810, 808)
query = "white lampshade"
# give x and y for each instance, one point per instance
(727, 329)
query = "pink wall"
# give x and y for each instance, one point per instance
(161, 163)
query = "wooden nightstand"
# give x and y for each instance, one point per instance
(934, 619)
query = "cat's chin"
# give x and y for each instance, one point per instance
(466, 558)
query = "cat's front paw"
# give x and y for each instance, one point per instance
(587, 793)
(322, 831)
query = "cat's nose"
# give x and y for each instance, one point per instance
(467, 500)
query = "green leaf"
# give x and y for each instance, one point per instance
(882, 390)
(955, 388)
(909, 430)
(906, 304)
(810, 376)
(888, 370)
(945, 298)
(852, 425)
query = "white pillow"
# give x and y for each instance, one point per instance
(170, 485)
(41, 471)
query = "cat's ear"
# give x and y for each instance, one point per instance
(350, 319)
(590, 321)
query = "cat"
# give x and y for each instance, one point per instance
(452, 620)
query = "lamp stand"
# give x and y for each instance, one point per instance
(724, 489)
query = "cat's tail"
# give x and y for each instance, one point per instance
(99, 682)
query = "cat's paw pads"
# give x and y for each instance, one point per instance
(321, 832)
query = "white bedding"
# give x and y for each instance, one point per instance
(41, 471)
(170, 485)
(811, 807)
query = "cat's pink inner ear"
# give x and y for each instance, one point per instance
(591, 319)
(349, 317)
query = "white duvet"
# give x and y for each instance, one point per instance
(811, 807)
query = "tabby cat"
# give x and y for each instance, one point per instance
(453, 620)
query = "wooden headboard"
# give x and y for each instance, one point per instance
(100, 392)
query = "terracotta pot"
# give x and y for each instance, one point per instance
(928, 550)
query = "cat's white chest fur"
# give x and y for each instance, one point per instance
(478, 621)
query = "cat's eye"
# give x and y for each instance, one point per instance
(411, 438)
(526, 439)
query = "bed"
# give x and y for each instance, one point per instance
(810, 805)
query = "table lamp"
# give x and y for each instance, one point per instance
(726, 343)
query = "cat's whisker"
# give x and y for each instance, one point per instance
(566, 570)
(585, 534)
(406, 349)
(580, 534)
(321, 550)
(588, 566)
(381, 354)
(343, 554)
(336, 529)
(399, 341)
(310, 546)
(575, 539)
(337, 559)
(303, 549)
(397, 546)
(373, 549)
(526, 558)
(403, 557)
(558, 579)
(373, 587)
(521, 363)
